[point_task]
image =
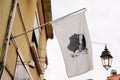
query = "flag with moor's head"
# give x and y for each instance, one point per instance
(73, 37)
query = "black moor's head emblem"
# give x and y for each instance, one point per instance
(77, 45)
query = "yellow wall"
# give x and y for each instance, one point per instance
(4, 14)
(23, 21)
(27, 9)
(6, 75)
(11, 59)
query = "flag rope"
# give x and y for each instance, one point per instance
(105, 43)
(99, 43)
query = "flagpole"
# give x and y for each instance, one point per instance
(50, 22)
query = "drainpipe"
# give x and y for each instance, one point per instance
(7, 36)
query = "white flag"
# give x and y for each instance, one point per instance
(74, 40)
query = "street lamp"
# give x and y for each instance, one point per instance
(106, 58)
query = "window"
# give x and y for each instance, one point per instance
(36, 32)
(20, 72)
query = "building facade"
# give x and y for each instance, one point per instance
(22, 41)
(114, 77)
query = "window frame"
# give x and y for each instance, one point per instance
(22, 63)
(36, 32)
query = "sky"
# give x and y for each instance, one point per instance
(103, 18)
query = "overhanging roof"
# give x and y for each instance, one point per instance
(45, 5)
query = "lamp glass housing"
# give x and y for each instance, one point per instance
(106, 58)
